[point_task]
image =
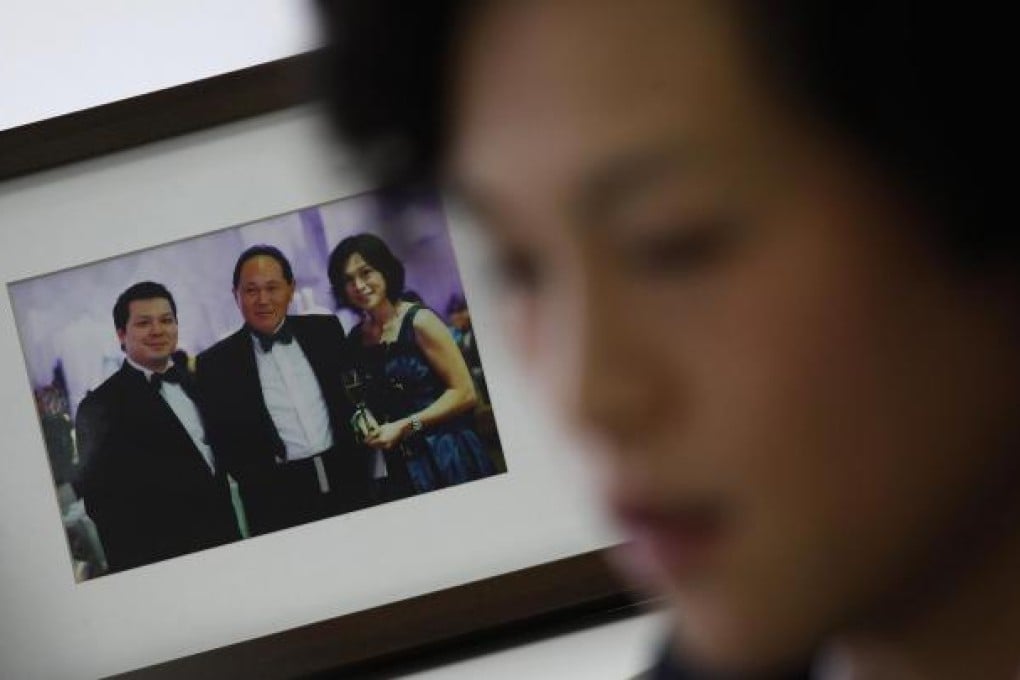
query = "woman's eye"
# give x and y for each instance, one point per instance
(519, 269)
(678, 249)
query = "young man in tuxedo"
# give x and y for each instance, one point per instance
(150, 482)
(276, 408)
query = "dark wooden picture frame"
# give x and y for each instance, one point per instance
(565, 590)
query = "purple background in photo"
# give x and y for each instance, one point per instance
(66, 319)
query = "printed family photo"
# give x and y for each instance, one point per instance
(256, 378)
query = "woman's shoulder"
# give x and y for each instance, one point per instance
(421, 316)
(420, 320)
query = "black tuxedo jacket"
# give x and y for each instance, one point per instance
(242, 431)
(145, 484)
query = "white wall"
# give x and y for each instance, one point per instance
(59, 56)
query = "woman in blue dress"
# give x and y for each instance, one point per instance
(418, 385)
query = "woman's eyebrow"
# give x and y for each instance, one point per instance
(479, 203)
(622, 177)
(599, 192)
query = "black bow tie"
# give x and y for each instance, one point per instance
(282, 336)
(170, 375)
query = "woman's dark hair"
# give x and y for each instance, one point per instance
(384, 74)
(144, 290)
(413, 297)
(377, 254)
(456, 303)
(914, 84)
(264, 251)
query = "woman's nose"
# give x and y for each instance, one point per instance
(621, 389)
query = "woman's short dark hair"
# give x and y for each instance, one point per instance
(144, 290)
(456, 303)
(265, 251)
(913, 84)
(377, 254)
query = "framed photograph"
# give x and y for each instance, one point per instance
(171, 188)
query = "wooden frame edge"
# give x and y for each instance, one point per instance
(575, 586)
(158, 115)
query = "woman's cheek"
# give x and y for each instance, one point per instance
(543, 327)
(517, 313)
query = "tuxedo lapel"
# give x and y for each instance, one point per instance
(151, 411)
(317, 359)
(142, 397)
(250, 398)
(248, 385)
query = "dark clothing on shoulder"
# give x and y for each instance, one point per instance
(668, 667)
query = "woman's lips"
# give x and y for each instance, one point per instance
(675, 543)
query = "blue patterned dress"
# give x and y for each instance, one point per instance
(400, 382)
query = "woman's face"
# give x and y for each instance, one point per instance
(364, 285)
(794, 400)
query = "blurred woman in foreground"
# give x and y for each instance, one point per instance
(765, 261)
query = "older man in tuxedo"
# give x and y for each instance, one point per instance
(150, 481)
(276, 408)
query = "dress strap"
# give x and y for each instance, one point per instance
(407, 323)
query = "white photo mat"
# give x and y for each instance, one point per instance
(52, 627)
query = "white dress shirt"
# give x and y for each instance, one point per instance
(294, 400)
(185, 410)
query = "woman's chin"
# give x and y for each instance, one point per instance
(717, 625)
(715, 638)
(365, 304)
